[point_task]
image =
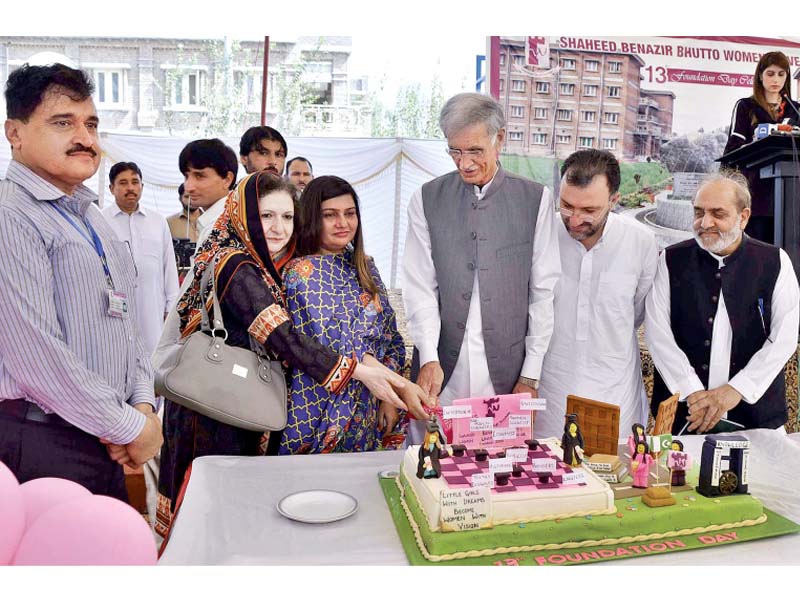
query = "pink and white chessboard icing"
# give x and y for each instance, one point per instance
(523, 498)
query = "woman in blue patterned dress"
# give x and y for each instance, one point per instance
(335, 295)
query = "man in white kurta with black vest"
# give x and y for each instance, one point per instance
(722, 317)
(480, 264)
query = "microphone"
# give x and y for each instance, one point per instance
(788, 100)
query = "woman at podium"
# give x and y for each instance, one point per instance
(771, 102)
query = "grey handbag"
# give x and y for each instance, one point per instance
(232, 385)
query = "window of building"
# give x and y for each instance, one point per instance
(517, 111)
(109, 87)
(518, 60)
(614, 66)
(540, 112)
(540, 139)
(586, 142)
(318, 77)
(502, 85)
(517, 85)
(568, 64)
(611, 118)
(614, 91)
(563, 138)
(592, 65)
(188, 89)
(248, 84)
(502, 59)
(515, 136)
(590, 90)
(563, 114)
(609, 144)
(542, 87)
(588, 116)
(566, 89)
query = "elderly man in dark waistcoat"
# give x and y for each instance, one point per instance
(480, 264)
(722, 318)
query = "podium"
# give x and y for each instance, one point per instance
(775, 158)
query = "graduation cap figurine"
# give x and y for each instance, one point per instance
(431, 450)
(572, 442)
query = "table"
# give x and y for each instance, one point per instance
(229, 517)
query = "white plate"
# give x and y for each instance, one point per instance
(317, 506)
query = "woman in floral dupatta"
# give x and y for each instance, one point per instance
(247, 240)
(335, 295)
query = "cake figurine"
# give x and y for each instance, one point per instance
(430, 452)
(572, 442)
(636, 436)
(640, 464)
(678, 462)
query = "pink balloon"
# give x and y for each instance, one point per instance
(97, 530)
(42, 494)
(12, 514)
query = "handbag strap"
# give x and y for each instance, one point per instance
(219, 324)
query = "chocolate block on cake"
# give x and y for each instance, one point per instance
(481, 455)
(459, 449)
(501, 454)
(501, 478)
(543, 476)
(532, 444)
(516, 471)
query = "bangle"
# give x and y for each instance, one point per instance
(531, 383)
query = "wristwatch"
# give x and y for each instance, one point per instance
(531, 383)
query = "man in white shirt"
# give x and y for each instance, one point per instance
(148, 238)
(480, 264)
(209, 169)
(722, 318)
(300, 172)
(607, 267)
(262, 148)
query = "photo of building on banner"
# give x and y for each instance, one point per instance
(661, 105)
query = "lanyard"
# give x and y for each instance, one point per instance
(94, 240)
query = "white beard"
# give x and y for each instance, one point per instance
(724, 240)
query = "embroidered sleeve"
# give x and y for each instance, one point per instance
(267, 321)
(340, 374)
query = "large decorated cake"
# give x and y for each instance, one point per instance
(517, 500)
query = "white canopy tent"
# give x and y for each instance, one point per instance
(384, 172)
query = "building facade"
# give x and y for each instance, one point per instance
(208, 87)
(585, 100)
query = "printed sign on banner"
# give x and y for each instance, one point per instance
(635, 96)
(496, 411)
(537, 52)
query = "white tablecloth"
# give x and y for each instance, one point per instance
(229, 513)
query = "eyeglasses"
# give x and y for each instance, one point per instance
(455, 153)
(586, 218)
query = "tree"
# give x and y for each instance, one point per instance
(696, 155)
(414, 114)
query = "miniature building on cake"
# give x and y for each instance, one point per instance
(723, 465)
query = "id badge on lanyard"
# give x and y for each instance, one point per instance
(118, 306)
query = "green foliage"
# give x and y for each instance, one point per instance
(414, 114)
(697, 154)
(653, 176)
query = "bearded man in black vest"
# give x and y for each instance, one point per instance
(722, 318)
(481, 261)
